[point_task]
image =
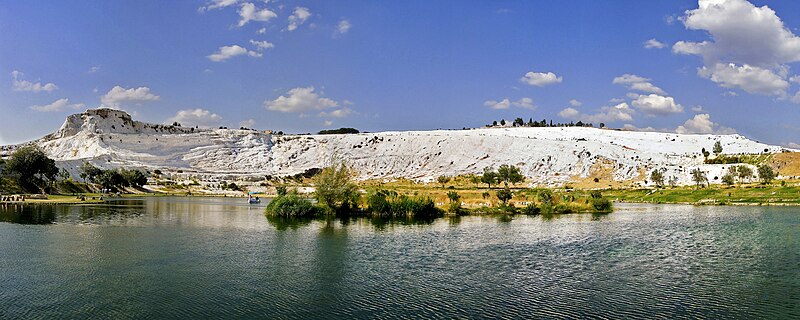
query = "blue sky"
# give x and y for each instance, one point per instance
(300, 66)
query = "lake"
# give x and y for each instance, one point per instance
(166, 257)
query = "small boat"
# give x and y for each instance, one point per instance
(252, 200)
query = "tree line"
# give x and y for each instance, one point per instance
(519, 122)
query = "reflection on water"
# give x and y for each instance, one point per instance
(221, 258)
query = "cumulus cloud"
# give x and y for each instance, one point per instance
(748, 78)
(749, 46)
(697, 109)
(94, 69)
(338, 113)
(575, 103)
(654, 44)
(118, 95)
(249, 123)
(218, 4)
(654, 104)
(300, 100)
(196, 117)
(297, 18)
(227, 52)
(18, 84)
(261, 45)
(541, 79)
(525, 103)
(248, 12)
(498, 105)
(58, 105)
(701, 123)
(343, 27)
(327, 123)
(637, 83)
(620, 112)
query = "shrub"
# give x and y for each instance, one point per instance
(601, 204)
(531, 210)
(291, 206)
(388, 204)
(504, 195)
(546, 197)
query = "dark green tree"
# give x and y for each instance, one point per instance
(509, 173)
(32, 169)
(504, 195)
(765, 174)
(717, 148)
(489, 176)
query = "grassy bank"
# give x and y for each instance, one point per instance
(714, 195)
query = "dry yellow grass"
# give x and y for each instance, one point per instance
(787, 164)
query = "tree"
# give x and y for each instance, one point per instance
(134, 178)
(494, 123)
(335, 188)
(89, 171)
(518, 122)
(673, 181)
(31, 167)
(489, 176)
(504, 195)
(443, 180)
(657, 176)
(765, 174)
(705, 153)
(744, 172)
(699, 177)
(502, 122)
(717, 148)
(602, 125)
(728, 179)
(507, 173)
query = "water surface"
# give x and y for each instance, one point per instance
(221, 258)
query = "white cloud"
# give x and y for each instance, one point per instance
(619, 112)
(575, 103)
(249, 123)
(300, 100)
(697, 109)
(297, 18)
(218, 4)
(94, 69)
(631, 127)
(654, 104)
(196, 117)
(749, 46)
(796, 98)
(795, 79)
(730, 94)
(58, 105)
(327, 123)
(17, 84)
(261, 45)
(338, 113)
(343, 27)
(634, 82)
(793, 145)
(654, 44)
(525, 103)
(227, 52)
(701, 123)
(498, 105)
(262, 31)
(748, 78)
(249, 12)
(540, 79)
(118, 94)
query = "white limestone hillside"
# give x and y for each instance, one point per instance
(547, 156)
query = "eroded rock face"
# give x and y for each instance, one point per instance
(547, 156)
